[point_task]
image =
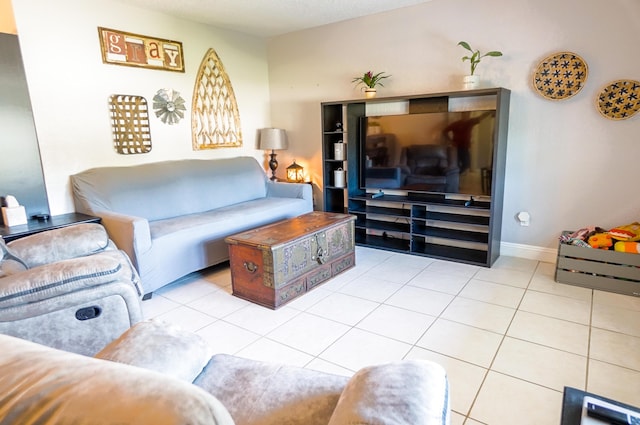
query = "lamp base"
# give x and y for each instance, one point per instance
(273, 165)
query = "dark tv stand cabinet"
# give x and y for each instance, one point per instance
(447, 227)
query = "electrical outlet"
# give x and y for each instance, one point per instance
(523, 217)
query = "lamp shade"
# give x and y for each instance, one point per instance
(273, 138)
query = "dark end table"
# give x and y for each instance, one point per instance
(34, 226)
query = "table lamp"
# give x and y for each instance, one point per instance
(274, 139)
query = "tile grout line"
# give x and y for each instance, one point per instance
(413, 346)
(586, 374)
(504, 336)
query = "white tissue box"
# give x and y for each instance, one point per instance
(14, 216)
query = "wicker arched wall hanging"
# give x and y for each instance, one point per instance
(215, 121)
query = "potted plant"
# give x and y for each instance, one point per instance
(370, 81)
(472, 80)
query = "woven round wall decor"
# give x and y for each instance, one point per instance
(620, 99)
(560, 76)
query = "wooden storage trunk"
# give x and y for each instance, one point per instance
(599, 269)
(274, 264)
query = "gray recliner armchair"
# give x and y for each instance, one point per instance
(431, 167)
(68, 288)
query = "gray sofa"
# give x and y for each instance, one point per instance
(157, 374)
(171, 217)
(68, 288)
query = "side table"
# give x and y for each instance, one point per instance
(34, 226)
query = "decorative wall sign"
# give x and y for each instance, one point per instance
(130, 124)
(560, 76)
(215, 120)
(169, 106)
(620, 99)
(123, 48)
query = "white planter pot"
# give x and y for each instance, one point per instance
(471, 82)
(369, 93)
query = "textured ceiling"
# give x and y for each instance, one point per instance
(267, 18)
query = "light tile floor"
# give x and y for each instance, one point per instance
(509, 337)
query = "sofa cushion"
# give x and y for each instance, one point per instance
(41, 385)
(404, 392)
(162, 347)
(224, 221)
(271, 394)
(166, 189)
(10, 262)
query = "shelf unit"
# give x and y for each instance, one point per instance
(423, 225)
(339, 124)
(441, 226)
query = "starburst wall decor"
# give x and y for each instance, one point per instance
(169, 106)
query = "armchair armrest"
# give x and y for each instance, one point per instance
(408, 392)
(289, 190)
(61, 244)
(42, 385)
(130, 234)
(66, 276)
(451, 170)
(384, 177)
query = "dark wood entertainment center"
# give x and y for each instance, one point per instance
(449, 226)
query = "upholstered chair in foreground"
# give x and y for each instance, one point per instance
(68, 288)
(158, 374)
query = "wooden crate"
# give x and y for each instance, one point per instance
(274, 264)
(598, 269)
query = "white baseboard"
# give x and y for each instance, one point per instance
(548, 255)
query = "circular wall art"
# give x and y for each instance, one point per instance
(620, 100)
(560, 76)
(169, 106)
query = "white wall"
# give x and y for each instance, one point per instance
(70, 86)
(566, 164)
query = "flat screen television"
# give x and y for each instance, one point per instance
(435, 152)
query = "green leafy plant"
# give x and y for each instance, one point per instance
(371, 80)
(476, 56)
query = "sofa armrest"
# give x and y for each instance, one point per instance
(408, 392)
(131, 234)
(61, 244)
(60, 278)
(43, 385)
(289, 190)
